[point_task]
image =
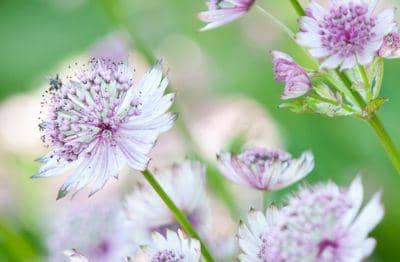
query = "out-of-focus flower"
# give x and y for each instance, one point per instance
(221, 12)
(101, 121)
(391, 46)
(297, 82)
(185, 185)
(215, 124)
(172, 247)
(321, 223)
(100, 232)
(13, 135)
(75, 256)
(113, 48)
(264, 169)
(346, 33)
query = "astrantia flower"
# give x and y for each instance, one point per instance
(100, 121)
(98, 232)
(265, 169)
(174, 247)
(185, 185)
(321, 223)
(391, 46)
(346, 33)
(221, 12)
(297, 82)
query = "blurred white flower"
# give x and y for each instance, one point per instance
(215, 124)
(98, 230)
(185, 185)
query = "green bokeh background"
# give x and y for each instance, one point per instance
(37, 34)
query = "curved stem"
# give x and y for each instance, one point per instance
(386, 141)
(277, 22)
(179, 216)
(298, 8)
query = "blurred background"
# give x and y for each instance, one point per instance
(226, 93)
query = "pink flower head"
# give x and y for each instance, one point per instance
(297, 81)
(221, 12)
(264, 169)
(346, 33)
(391, 46)
(321, 223)
(101, 121)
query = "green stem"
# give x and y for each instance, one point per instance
(364, 76)
(264, 195)
(179, 216)
(377, 126)
(278, 22)
(298, 8)
(386, 141)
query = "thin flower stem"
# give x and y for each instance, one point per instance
(364, 76)
(264, 195)
(286, 29)
(386, 141)
(376, 124)
(179, 216)
(298, 8)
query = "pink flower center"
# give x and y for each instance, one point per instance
(326, 244)
(347, 29)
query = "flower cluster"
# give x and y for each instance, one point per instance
(321, 223)
(101, 121)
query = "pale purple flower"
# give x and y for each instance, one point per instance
(185, 185)
(265, 169)
(101, 121)
(391, 46)
(221, 12)
(297, 82)
(320, 223)
(346, 33)
(174, 247)
(99, 232)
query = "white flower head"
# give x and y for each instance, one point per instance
(174, 247)
(101, 121)
(185, 185)
(320, 223)
(265, 169)
(346, 33)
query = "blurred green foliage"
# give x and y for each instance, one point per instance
(36, 35)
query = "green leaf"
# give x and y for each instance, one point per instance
(373, 106)
(376, 70)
